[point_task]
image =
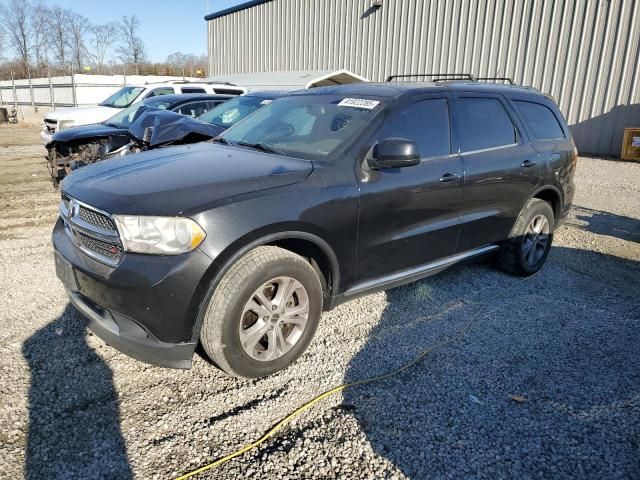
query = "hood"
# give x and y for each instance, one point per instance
(182, 180)
(83, 115)
(91, 131)
(155, 126)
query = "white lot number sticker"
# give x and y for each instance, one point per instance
(635, 142)
(359, 103)
(266, 102)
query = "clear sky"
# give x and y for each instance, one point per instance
(167, 26)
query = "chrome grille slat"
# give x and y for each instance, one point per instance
(96, 219)
(92, 231)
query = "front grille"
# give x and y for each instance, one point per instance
(96, 219)
(94, 232)
(110, 250)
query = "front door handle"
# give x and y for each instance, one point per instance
(528, 164)
(450, 177)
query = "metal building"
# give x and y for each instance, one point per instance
(586, 53)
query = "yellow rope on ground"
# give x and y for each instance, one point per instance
(278, 426)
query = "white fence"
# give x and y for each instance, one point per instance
(70, 90)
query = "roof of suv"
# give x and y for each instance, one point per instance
(394, 89)
(186, 97)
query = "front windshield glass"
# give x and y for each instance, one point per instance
(123, 97)
(126, 117)
(234, 110)
(304, 126)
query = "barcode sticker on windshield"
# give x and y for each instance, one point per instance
(359, 103)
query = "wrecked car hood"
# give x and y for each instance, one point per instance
(94, 130)
(155, 127)
(181, 180)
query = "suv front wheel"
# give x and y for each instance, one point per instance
(529, 243)
(263, 313)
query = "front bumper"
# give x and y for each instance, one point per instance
(146, 306)
(127, 336)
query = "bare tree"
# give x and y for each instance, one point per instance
(15, 21)
(59, 34)
(78, 28)
(102, 37)
(132, 50)
(40, 34)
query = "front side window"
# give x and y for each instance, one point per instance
(234, 110)
(483, 123)
(193, 109)
(305, 126)
(161, 91)
(426, 122)
(541, 120)
(123, 97)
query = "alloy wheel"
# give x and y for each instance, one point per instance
(274, 318)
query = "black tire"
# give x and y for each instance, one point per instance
(220, 334)
(515, 256)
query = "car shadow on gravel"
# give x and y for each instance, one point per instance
(74, 419)
(546, 383)
(604, 223)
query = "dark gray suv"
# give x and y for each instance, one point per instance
(315, 199)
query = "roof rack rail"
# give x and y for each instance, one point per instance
(495, 79)
(447, 77)
(436, 77)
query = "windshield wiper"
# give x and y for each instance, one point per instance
(222, 140)
(260, 146)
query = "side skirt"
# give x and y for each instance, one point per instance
(405, 276)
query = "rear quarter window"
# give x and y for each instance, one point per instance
(484, 123)
(541, 120)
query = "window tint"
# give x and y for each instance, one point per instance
(161, 91)
(541, 120)
(192, 90)
(426, 122)
(483, 123)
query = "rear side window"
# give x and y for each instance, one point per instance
(541, 120)
(426, 122)
(192, 90)
(483, 123)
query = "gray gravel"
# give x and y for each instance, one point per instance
(567, 342)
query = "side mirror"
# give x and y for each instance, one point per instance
(394, 153)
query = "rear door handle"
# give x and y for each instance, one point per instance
(528, 164)
(450, 177)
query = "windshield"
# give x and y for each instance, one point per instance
(126, 117)
(234, 110)
(123, 97)
(305, 126)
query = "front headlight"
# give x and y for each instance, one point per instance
(62, 124)
(159, 235)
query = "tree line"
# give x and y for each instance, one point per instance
(36, 39)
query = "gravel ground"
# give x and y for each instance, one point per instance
(566, 343)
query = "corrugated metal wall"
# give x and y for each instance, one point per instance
(586, 53)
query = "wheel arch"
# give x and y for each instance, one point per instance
(309, 245)
(551, 195)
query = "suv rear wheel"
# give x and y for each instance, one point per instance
(263, 313)
(529, 243)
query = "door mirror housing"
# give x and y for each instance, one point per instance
(394, 153)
